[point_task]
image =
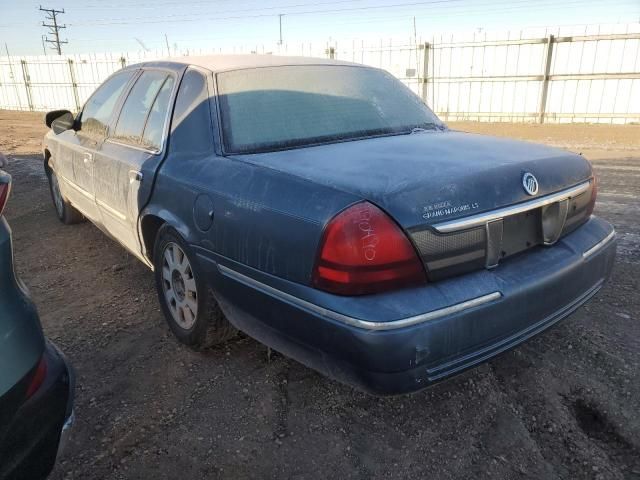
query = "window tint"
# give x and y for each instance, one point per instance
(154, 128)
(98, 110)
(191, 125)
(137, 105)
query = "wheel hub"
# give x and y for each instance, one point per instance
(178, 285)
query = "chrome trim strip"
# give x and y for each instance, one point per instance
(111, 210)
(356, 322)
(599, 245)
(482, 218)
(100, 203)
(135, 147)
(76, 187)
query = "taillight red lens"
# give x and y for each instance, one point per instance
(38, 378)
(4, 194)
(364, 251)
(594, 194)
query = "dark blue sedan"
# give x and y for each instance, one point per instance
(322, 208)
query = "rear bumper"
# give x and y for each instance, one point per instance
(41, 425)
(460, 322)
(69, 412)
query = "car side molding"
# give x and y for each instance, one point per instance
(357, 322)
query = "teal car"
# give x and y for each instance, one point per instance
(36, 381)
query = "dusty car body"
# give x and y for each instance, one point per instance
(36, 381)
(320, 207)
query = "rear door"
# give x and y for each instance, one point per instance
(82, 145)
(126, 162)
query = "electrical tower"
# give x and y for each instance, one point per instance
(54, 28)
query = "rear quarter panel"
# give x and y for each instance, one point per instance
(262, 218)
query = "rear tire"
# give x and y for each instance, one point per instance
(187, 302)
(65, 212)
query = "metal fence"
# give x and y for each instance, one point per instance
(584, 78)
(589, 78)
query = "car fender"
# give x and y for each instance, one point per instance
(148, 228)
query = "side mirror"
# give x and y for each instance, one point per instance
(49, 117)
(62, 123)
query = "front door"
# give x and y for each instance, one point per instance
(125, 163)
(82, 160)
(84, 144)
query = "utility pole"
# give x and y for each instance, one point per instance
(54, 28)
(44, 48)
(415, 43)
(166, 39)
(280, 19)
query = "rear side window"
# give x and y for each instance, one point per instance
(191, 130)
(98, 110)
(154, 128)
(138, 107)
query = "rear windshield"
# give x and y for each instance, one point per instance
(274, 108)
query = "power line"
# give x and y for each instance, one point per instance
(196, 17)
(416, 4)
(449, 10)
(375, 20)
(500, 9)
(200, 4)
(189, 16)
(54, 28)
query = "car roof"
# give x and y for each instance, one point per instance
(221, 63)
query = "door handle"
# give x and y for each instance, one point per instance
(135, 176)
(88, 158)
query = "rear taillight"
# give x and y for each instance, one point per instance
(38, 378)
(364, 251)
(4, 193)
(594, 194)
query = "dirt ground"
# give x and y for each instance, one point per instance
(564, 405)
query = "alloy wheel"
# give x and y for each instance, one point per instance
(179, 285)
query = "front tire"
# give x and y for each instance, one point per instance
(65, 212)
(188, 303)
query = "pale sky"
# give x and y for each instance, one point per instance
(96, 26)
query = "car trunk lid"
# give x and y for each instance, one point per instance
(427, 178)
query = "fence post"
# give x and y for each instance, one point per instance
(74, 85)
(545, 79)
(14, 80)
(27, 83)
(425, 71)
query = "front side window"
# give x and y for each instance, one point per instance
(98, 110)
(138, 106)
(275, 108)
